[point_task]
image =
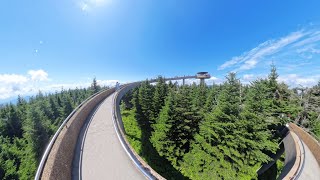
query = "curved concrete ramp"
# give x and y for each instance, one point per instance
(99, 153)
(300, 163)
(311, 169)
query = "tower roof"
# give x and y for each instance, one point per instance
(202, 73)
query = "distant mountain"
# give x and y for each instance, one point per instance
(13, 100)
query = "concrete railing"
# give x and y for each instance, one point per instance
(119, 127)
(294, 158)
(310, 141)
(137, 160)
(57, 160)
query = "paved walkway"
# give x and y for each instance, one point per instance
(99, 154)
(311, 169)
(102, 156)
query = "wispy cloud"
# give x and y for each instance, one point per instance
(300, 44)
(250, 59)
(296, 56)
(312, 38)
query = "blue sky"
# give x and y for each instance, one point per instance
(46, 45)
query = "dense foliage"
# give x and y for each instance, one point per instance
(27, 126)
(220, 132)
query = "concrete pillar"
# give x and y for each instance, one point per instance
(201, 81)
(183, 81)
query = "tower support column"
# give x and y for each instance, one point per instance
(201, 81)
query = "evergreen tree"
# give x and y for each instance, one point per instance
(94, 86)
(65, 109)
(178, 122)
(35, 132)
(160, 94)
(25, 129)
(273, 76)
(145, 98)
(200, 96)
(226, 147)
(160, 137)
(211, 100)
(54, 106)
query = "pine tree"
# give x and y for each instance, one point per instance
(94, 86)
(35, 132)
(160, 94)
(14, 123)
(25, 129)
(273, 76)
(257, 96)
(178, 122)
(200, 96)
(225, 147)
(145, 98)
(160, 137)
(65, 109)
(211, 100)
(54, 107)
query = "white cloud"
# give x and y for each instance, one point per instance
(233, 61)
(54, 87)
(107, 82)
(308, 52)
(38, 75)
(211, 81)
(12, 85)
(214, 78)
(314, 37)
(288, 50)
(295, 80)
(248, 77)
(12, 79)
(250, 59)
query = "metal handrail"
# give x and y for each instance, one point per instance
(50, 145)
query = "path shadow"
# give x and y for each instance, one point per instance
(149, 153)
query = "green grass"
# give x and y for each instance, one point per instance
(133, 131)
(140, 142)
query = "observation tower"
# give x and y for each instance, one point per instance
(202, 76)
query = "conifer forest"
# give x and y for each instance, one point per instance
(197, 131)
(224, 131)
(27, 127)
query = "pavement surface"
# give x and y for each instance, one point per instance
(311, 169)
(99, 153)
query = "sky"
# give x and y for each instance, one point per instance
(50, 45)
